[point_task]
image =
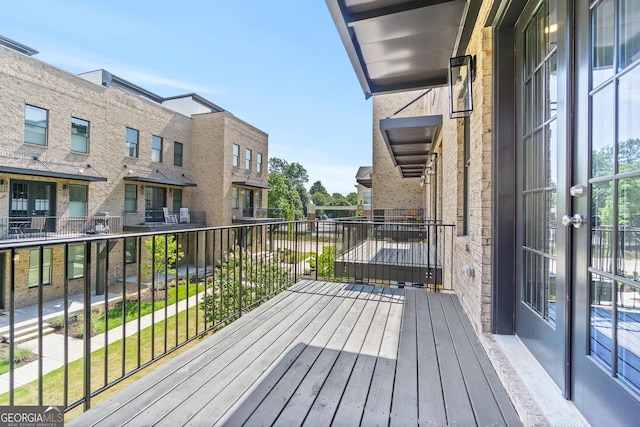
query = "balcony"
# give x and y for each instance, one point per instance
(58, 227)
(277, 329)
(253, 215)
(154, 220)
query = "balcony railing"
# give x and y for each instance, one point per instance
(57, 227)
(155, 217)
(108, 306)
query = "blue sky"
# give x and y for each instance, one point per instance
(277, 64)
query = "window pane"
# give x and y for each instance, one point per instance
(601, 226)
(177, 200)
(629, 122)
(628, 331)
(130, 198)
(34, 267)
(236, 155)
(156, 149)
(259, 163)
(75, 262)
(35, 125)
(77, 201)
(602, 132)
(629, 16)
(177, 154)
(248, 159)
(79, 135)
(132, 143)
(603, 37)
(600, 334)
(628, 222)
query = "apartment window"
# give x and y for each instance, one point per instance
(75, 262)
(36, 122)
(77, 201)
(366, 198)
(259, 162)
(248, 159)
(130, 249)
(259, 199)
(235, 204)
(177, 154)
(132, 142)
(130, 198)
(177, 200)
(79, 135)
(156, 149)
(236, 155)
(34, 267)
(465, 177)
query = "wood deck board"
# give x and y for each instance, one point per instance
(325, 354)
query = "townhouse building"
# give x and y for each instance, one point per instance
(517, 123)
(94, 153)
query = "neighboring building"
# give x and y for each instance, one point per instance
(96, 153)
(548, 143)
(74, 146)
(363, 186)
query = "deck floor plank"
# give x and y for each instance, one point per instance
(405, 391)
(325, 354)
(457, 405)
(430, 399)
(360, 315)
(279, 360)
(195, 381)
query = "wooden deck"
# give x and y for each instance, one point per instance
(325, 354)
(391, 261)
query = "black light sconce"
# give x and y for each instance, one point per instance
(4, 187)
(462, 73)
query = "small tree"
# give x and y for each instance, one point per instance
(324, 263)
(163, 257)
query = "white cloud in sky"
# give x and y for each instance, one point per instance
(76, 61)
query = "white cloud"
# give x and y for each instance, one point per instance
(76, 61)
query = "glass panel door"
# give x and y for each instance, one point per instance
(155, 199)
(541, 151)
(607, 252)
(248, 203)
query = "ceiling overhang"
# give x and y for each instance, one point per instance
(410, 141)
(51, 174)
(400, 45)
(151, 180)
(249, 184)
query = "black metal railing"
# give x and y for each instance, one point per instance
(120, 303)
(57, 227)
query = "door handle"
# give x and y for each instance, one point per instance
(577, 221)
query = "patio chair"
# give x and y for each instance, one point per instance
(184, 215)
(169, 218)
(37, 228)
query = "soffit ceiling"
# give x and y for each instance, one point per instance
(410, 141)
(398, 45)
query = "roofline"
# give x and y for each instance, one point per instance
(199, 99)
(18, 47)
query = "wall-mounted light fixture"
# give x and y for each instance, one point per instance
(462, 70)
(91, 167)
(4, 186)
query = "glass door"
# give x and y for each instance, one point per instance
(607, 252)
(541, 314)
(155, 199)
(248, 203)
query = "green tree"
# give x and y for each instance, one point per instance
(317, 187)
(352, 198)
(338, 199)
(282, 195)
(162, 256)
